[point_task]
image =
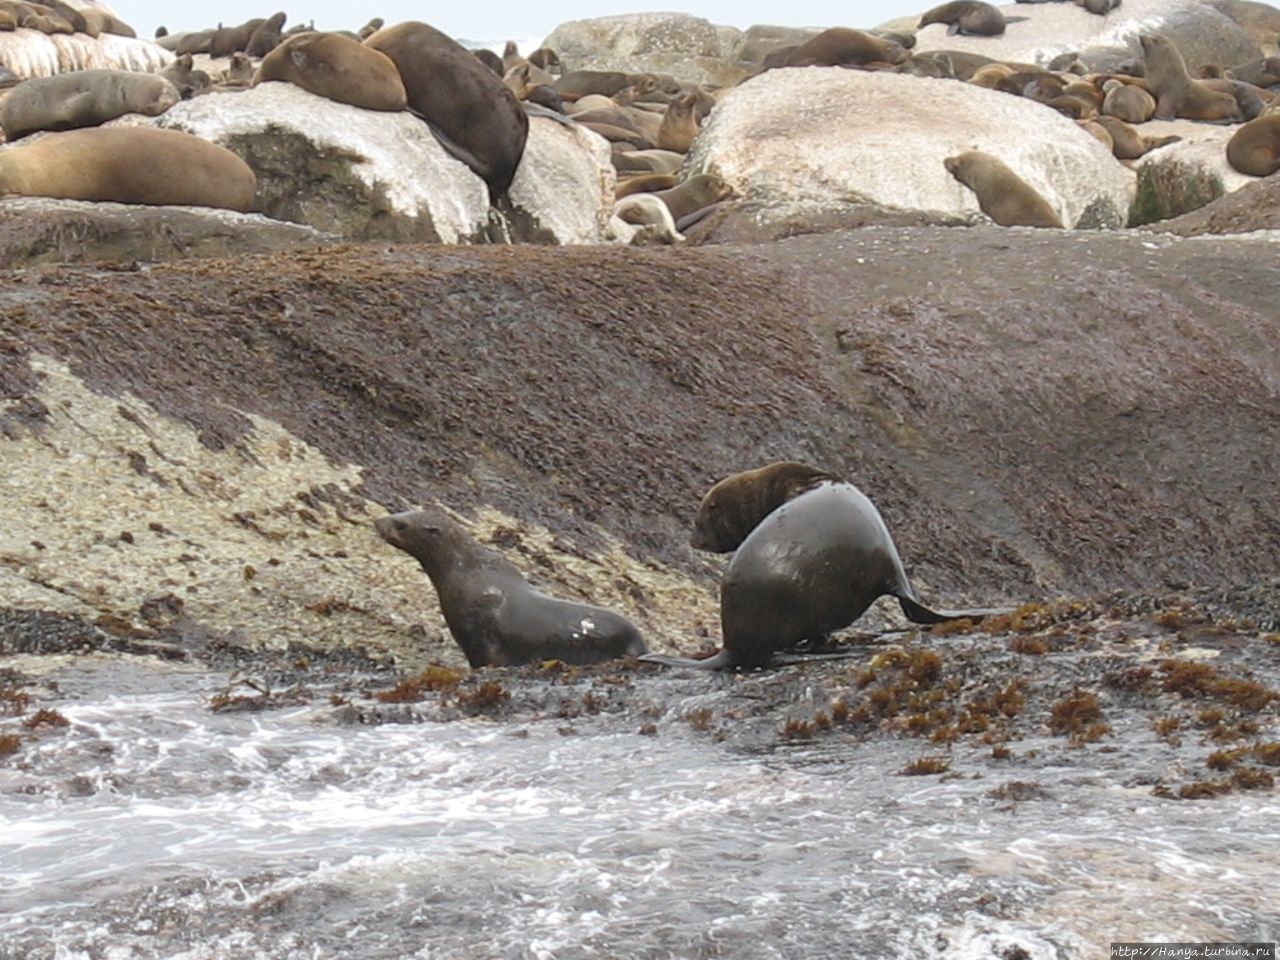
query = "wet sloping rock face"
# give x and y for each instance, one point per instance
(825, 136)
(1056, 414)
(37, 230)
(688, 48)
(1044, 30)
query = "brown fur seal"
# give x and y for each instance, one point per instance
(695, 198)
(1254, 149)
(813, 564)
(841, 47)
(183, 75)
(679, 126)
(546, 58)
(338, 68)
(1127, 143)
(490, 60)
(496, 617)
(373, 26)
(83, 98)
(229, 40)
(1127, 101)
(1177, 93)
(1002, 195)
(267, 37)
(129, 165)
(645, 183)
(581, 83)
(469, 109)
(967, 17)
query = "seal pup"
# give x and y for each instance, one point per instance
(1127, 143)
(693, 199)
(338, 68)
(811, 565)
(1002, 195)
(466, 105)
(1254, 149)
(83, 98)
(495, 616)
(129, 165)
(967, 18)
(1177, 93)
(1129, 102)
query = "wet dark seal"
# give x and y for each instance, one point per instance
(497, 618)
(811, 566)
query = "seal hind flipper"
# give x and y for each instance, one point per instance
(917, 612)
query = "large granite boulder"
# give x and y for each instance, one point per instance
(30, 53)
(36, 230)
(366, 174)
(686, 47)
(830, 137)
(1202, 34)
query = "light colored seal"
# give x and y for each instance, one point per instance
(1002, 195)
(496, 617)
(338, 68)
(128, 165)
(1127, 143)
(693, 199)
(83, 98)
(1129, 102)
(469, 109)
(813, 564)
(1254, 149)
(839, 47)
(1177, 93)
(679, 126)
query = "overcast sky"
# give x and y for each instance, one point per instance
(490, 20)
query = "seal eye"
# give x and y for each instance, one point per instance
(401, 526)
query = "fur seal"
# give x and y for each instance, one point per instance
(1129, 102)
(338, 68)
(1177, 93)
(129, 165)
(267, 37)
(496, 617)
(839, 47)
(1002, 195)
(811, 565)
(679, 126)
(1127, 143)
(183, 75)
(1254, 149)
(488, 58)
(229, 40)
(967, 17)
(469, 109)
(581, 83)
(692, 200)
(83, 98)
(647, 219)
(644, 183)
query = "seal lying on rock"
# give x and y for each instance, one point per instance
(1002, 195)
(495, 615)
(83, 98)
(817, 558)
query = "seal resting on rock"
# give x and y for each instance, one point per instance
(336, 67)
(129, 165)
(83, 98)
(1002, 195)
(1254, 149)
(811, 565)
(469, 109)
(1177, 93)
(497, 618)
(967, 17)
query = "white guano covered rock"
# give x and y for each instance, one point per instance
(563, 189)
(30, 53)
(362, 174)
(686, 47)
(1047, 29)
(826, 136)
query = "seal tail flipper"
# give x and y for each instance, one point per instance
(917, 612)
(721, 661)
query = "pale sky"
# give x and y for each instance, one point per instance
(489, 20)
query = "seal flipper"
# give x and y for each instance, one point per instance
(917, 612)
(721, 661)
